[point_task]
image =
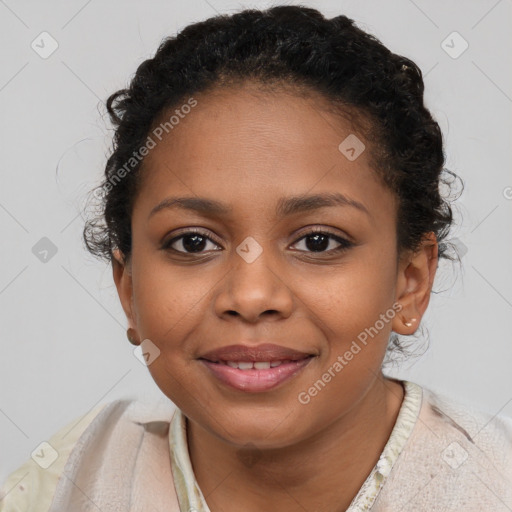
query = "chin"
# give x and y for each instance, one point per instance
(265, 431)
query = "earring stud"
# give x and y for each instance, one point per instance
(409, 324)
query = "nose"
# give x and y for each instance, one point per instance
(254, 290)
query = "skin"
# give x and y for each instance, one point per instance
(248, 149)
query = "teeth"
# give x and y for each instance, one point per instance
(262, 365)
(258, 365)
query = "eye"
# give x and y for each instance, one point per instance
(318, 241)
(190, 242)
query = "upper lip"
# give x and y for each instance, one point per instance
(264, 352)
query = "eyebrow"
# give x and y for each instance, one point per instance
(285, 206)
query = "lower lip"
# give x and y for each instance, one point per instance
(253, 381)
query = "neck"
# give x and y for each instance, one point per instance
(233, 478)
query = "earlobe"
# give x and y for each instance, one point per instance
(121, 271)
(414, 285)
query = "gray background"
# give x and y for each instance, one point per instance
(64, 348)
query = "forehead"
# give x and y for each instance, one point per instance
(244, 142)
(239, 121)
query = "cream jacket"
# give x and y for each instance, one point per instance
(127, 455)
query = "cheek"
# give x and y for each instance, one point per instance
(170, 309)
(348, 305)
(169, 306)
(352, 296)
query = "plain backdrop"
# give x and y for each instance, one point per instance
(62, 330)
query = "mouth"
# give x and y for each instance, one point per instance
(256, 365)
(255, 369)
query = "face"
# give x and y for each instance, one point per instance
(276, 261)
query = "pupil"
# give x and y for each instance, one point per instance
(197, 244)
(317, 245)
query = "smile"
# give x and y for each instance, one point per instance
(248, 365)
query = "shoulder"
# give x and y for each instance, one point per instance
(32, 485)
(484, 436)
(491, 432)
(34, 481)
(457, 454)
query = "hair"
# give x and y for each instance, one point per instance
(285, 46)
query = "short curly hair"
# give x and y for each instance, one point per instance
(286, 46)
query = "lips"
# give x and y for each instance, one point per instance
(265, 352)
(255, 369)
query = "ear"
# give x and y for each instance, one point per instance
(416, 272)
(121, 270)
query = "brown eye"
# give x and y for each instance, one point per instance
(190, 242)
(322, 242)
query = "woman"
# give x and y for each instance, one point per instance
(273, 218)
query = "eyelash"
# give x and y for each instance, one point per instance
(344, 243)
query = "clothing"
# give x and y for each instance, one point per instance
(131, 456)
